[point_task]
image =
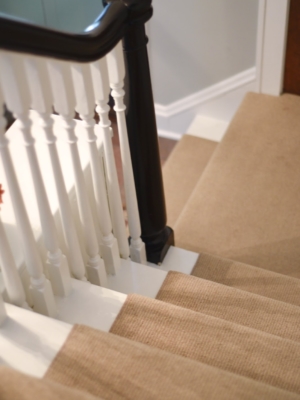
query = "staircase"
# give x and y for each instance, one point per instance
(85, 315)
(228, 330)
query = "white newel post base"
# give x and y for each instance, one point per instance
(111, 255)
(59, 274)
(43, 299)
(96, 271)
(2, 310)
(138, 251)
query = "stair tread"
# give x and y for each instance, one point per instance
(15, 385)
(185, 165)
(231, 304)
(114, 367)
(238, 349)
(246, 204)
(248, 278)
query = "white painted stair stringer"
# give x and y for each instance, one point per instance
(29, 341)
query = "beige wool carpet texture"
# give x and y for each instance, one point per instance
(246, 205)
(235, 348)
(248, 278)
(181, 172)
(244, 308)
(17, 386)
(113, 367)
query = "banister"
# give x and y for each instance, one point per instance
(120, 19)
(106, 31)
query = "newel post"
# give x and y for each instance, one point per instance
(142, 133)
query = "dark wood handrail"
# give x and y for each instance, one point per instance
(106, 31)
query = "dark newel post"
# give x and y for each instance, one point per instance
(143, 141)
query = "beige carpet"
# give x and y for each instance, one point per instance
(230, 304)
(116, 368)
(246, 206)
(181, 173)
(248, 278)
(17, 386)
(216, 342)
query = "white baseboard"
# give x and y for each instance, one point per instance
(169, 134)
(219, 101)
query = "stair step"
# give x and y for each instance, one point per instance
(244, 308)
(248, 278)
(112, 367)
(182, 171)
(235, 348)
(246, 204)
(15, 385)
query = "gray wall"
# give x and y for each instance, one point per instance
(68, 15)
(197, 43)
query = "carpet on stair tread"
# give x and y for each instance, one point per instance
(115, 368)
(246, 206)
(238, 349)
(17, 386)
(235, 305)
(248, 278)
(185, 166)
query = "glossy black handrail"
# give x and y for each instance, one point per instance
(105, 33)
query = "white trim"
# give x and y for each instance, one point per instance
(219, 101)
(169, 134)
(207, 94)
(260, 41)
(272, 31)
(29, 342)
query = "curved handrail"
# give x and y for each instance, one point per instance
(108, 29)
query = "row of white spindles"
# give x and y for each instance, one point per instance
(33, 82)
(19, 101)
(42, 101)
(64, 103)
(116, 70)
(101, 95)
(11, 278)
(85, 105)
(40, 287)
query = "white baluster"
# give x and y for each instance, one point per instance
(85, 107)
(42, 101)
(56, 262)
(2, 310)
(10, 273)
(64, 102)
(40, 287)
(101, 89)
(116, 70)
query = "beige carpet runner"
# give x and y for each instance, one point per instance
(182, 171)
(246, 205)
(248, 278)
(244, 308)
(112, 367)
(17, 386)
(235, 348)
